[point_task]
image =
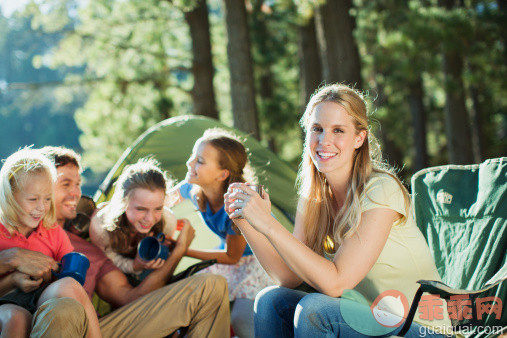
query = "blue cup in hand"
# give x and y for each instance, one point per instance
(75, 265)
(151, 248)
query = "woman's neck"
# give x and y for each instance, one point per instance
(339, 185)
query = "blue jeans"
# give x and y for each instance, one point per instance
(282, 312)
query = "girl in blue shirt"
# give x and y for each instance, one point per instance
(219, 159)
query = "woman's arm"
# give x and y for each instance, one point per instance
(353, 260)
(264, 250)
(235, 246)
(267, 255)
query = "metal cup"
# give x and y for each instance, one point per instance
(259, 188)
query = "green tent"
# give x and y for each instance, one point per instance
(171, 142)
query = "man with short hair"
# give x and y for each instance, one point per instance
(153, 308)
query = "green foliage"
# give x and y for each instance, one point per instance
(275, 55)
(136, 58)
(401, 42)
(126, 64)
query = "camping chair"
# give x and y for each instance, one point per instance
(462, 212)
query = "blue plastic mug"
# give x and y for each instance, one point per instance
(150, 248)
(75, 265)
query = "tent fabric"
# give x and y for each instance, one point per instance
(171, 142)
(462, 212)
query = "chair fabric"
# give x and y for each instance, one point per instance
(462, 212)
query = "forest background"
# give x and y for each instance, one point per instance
(94, 74)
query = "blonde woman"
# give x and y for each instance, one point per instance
(353, 229)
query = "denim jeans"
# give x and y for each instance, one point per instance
(282, 312)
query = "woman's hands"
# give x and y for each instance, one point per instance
(243, 202)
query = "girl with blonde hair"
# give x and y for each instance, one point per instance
(353, 230)
(27, 220)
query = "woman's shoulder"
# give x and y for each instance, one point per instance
(382, 181)
(383, 190)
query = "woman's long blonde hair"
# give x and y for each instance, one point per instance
(13, 175)
(145, 174)
(325, 225)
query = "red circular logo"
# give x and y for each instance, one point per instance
(390, 308)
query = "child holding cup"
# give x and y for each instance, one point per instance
(27, 220)
(135, 211)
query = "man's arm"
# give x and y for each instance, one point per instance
(115, 289)
(6, 284)
(8, 260)
(32, 263)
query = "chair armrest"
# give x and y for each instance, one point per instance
(191, 270)
(444, 291)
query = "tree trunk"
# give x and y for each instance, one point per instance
(502, 6)
(310, 65)
(339, 53)
(415, 100)
(478, 137)
(264, 64)
(244, 108)
(203, 94)
(457, 124)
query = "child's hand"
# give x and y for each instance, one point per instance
(155, 264)
(186, 236)
(24, 282)
(140, 264)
